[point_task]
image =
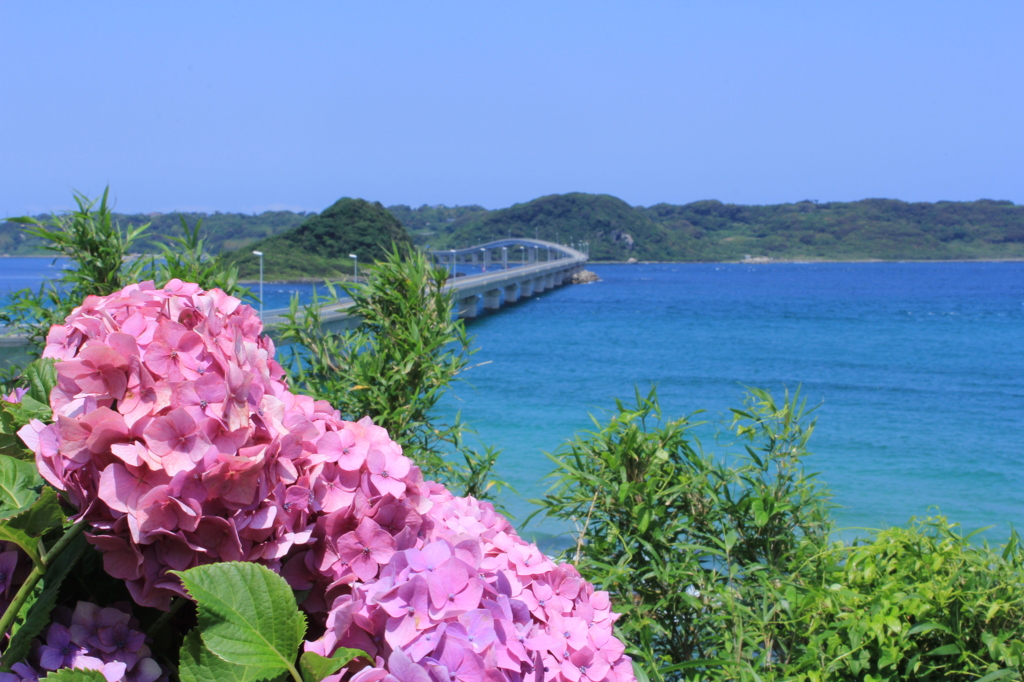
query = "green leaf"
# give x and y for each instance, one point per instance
(315, 667)
(42, 377)
(197, 664)
(997, 675)
(26, 542)
(35, 614)
(247, 614)
(639, 673)
(43, 516)
(26, 525)
(19, 483)
(76, 675)
(10, 444)
(28, 409)
(947, 650)
(927, 627)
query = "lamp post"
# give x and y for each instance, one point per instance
(483, 263)
(260, 254)
(355, 266)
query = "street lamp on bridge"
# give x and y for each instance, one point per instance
(355, 266)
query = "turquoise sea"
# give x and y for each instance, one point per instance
(917, 370)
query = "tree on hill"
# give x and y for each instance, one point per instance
(320, 247)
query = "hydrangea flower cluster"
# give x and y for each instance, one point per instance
(93, 638)
(472, 601)
(178, 441)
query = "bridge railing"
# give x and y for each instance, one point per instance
(335, 316)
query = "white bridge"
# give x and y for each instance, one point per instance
(541, 266)
(511, 269)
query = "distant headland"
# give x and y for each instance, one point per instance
(311, 245)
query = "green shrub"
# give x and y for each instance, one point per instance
(102, 262)
(723, 567)
(916, 603)
(394, 367)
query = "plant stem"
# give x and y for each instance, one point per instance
(62, 544)
(20, 598)
(176, 605)
(586, 524)
(35, 576)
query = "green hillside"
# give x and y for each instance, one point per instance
(319, 248)
(883, 229)
(615, 230)
(423, 222)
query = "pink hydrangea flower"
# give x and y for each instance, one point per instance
(177, 440)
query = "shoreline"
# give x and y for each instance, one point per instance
(315, 280)
(808, 261)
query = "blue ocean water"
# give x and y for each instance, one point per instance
(917, 370)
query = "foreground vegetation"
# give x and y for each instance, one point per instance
(722, 564)
(221, 231)
(725, 568)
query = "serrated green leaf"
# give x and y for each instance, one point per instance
(26, 542)
(75, 675)
(28, 409)
(42, 377)
(197, 664)
(41, 517)
(35, 614)
(315, 667)
(247, 614)
(19, 483)
(7, 425)
(12, 446)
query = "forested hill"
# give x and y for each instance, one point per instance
(321, 246)
(883, 229)
(700, 231)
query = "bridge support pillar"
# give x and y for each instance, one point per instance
(526, 288)
(538, 285)
(466, 307)
(511, 293)
(504, 258)
(492, 299)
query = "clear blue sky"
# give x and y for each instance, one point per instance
(237, 106)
